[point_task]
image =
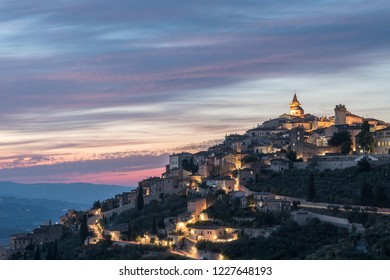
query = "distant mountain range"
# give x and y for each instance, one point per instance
(19, 215)
(76, 192)
(24, 207)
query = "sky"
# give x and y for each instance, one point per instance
(103, 91)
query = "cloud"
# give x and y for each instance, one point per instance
(96, 169)
(85, 78)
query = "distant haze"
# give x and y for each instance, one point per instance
(75, 193)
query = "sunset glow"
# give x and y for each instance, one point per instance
(103, 93)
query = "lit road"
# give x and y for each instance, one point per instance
(95, 226)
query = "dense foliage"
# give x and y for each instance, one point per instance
(152, 216)
(288, 243)
(342, 140)
(365, 139)
(337, 186)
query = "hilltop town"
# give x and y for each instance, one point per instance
(218, 191)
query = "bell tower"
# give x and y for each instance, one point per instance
(295, 107)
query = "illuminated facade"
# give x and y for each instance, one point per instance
(382, 141)
(295, 108)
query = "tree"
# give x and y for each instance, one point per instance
(96, 204)
(37, 255)
(154, 226)
(190, 166)
(380, 198)
(49, 254)
(296, 204)
(364, 165)
(130, 230)
(140, 198)
(84, 232)
(341, 140)
(250, 158)
(366, 195)
(292, 157)
(311, 192)
(365, 139)
(56, 255)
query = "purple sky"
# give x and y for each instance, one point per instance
(102, 91)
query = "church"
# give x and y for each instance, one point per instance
(297, 118)
(309, 134)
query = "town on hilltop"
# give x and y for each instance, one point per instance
(215, 193)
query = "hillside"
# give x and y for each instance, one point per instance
(21, 214)
(338, 186)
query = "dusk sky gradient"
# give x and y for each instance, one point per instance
(102, 91)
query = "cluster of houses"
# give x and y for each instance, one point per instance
(20, 243)
(232, 166)
(241, 159)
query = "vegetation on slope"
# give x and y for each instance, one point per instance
(338, 186)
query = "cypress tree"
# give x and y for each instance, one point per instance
(154, 226)
(49, 254)
(129, 230)
(381, 199)
(311, 192)
(56, 255)
(37, 255)
(140, 198)
(366, 195)
(84, 229)
(365, 138)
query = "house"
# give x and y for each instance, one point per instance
(273, 205)
(382, 141)
(176, 160)
(214, 233)
(171, 186)
(301, 217)
(376, 124)
(19, 242)
(279, 165)
(4, 253)
(261, 196)
(110, 204)
(280, 142)
(298, 143)
(127, 198)
(263, 149)
(225, 183)
(205, 169)
(72, 219)
(118, 232)
(48, 233)
(180, 173)
(238, 196)
(337, 161)
(200, 157)
(246, 176)
(196, 206)
(202, 190)
(228, 164)
(264, 131)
